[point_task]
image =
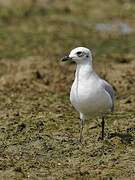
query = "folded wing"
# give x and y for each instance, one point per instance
(109, 90)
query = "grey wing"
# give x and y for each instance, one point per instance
(110, 91)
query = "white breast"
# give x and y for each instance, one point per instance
(88, 97)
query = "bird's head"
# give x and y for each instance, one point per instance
(80, 55)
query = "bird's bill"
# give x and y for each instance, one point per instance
(66, 58)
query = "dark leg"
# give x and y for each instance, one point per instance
(81, 131)
(103, 125)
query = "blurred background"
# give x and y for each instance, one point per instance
(38, 124)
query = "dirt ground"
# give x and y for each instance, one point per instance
(39, 127)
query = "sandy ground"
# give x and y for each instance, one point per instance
(39, 133)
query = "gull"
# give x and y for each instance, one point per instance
(90, 95)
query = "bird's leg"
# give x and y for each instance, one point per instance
(81, 130)
(103, 125)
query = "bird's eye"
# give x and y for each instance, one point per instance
(79, 53)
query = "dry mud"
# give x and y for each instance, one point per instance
(39, 128)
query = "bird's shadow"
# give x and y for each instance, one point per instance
(125, 137)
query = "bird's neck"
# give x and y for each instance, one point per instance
(84, 71)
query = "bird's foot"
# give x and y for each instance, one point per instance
(77, 142)
(100, 138)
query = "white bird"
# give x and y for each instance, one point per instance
(90, 95)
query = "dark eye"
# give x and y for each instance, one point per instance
(79, 53)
